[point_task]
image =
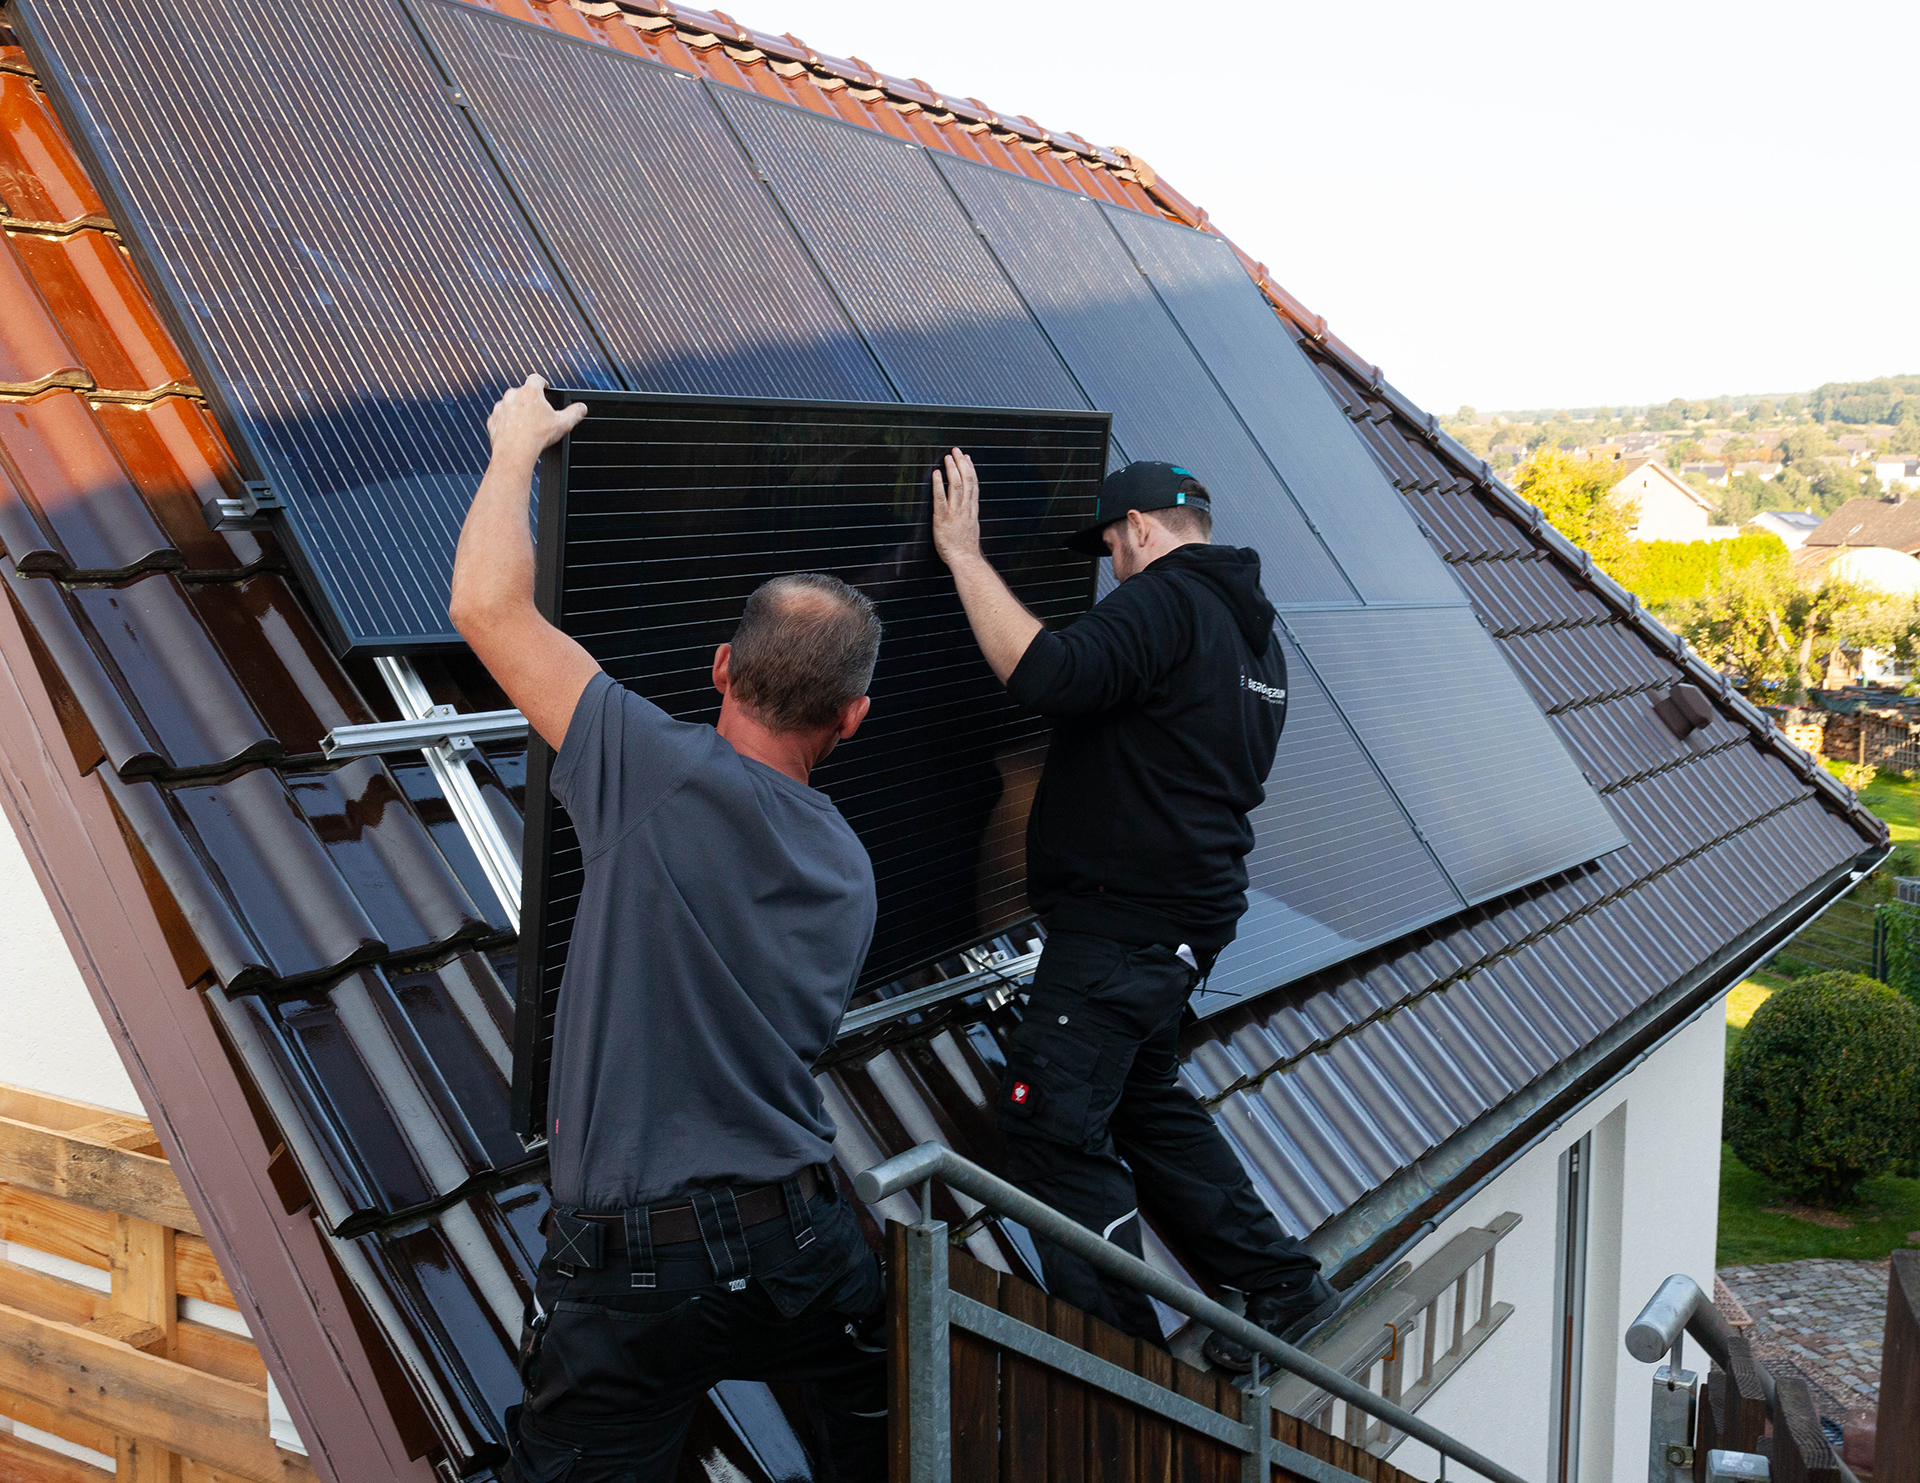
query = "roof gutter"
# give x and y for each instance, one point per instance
(1363, 1244)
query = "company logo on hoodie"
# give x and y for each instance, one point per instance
(1271, 694)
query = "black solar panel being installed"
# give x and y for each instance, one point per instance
(349, 277)
(1484, 777)
(1286, 406)
(644, 193)
(1336, 866)
(662, 516)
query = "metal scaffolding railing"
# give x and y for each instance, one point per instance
(932, 1310)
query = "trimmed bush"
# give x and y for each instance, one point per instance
(1821, 1092)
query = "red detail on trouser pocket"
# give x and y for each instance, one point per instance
(1019, 1094)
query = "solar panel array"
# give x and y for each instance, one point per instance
(499, 197)
(669, 513)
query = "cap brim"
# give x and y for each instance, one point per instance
(1089, 542)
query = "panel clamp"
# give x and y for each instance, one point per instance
(244, 511)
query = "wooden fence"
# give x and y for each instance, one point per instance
(1015, 1420)
(118, 1372)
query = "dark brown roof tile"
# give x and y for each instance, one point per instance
(68, 505)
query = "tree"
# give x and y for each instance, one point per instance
(1804, 446)
(1834, 484)
(1906, 438)
(1683, 450)
(1762, 412)
(1791, 406)
(1756, 621)
(1723, 410)
(1576, 495)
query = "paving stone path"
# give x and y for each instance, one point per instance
(1822, 1319)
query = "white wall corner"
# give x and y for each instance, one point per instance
(280, 1421)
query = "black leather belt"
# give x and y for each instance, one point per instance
(676, 1223)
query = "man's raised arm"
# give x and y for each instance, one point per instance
(541, 669)
(1001, 624)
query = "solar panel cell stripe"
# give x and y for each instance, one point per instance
(1130, 356)
(1466, 749)
(645, 194)
(1285, 405)
(354, 332)
(924, 289)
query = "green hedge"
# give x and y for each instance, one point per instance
(1824, 1088)
(1670, 571)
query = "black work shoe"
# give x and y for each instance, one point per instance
(1289, 1317)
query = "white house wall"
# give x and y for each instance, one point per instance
(1654, 1212)
(51, 1038)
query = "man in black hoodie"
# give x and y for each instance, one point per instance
(1168, 699)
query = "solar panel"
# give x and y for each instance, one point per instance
(1336, 866)
(924, 289)
(1131, 358)
(1286, 407)
(352, 281)
(1486, 780)
(644, 193)
(662, 516)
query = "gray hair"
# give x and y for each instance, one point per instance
(804, 650)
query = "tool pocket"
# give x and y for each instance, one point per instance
(1048, 1085)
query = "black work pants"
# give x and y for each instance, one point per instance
(1097, 1123)
(613, 1381)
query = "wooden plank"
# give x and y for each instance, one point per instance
(62, 1423)
(1800, 1453)
(94, 1174)
(1198, 1459)
(25, 1462)
(135, 1333)
(1154, 1434)
(899, 1432)
(1066, 1401)
(204, 1347)
(143, 1275)
(61, 1114)
(197, 1274)
(974, 1384)
(1112, 1443)
(49, 1296)
(217, 1421)
(1023, 1391)
(1896, 1457)
(133, 1133)
(56, 1227)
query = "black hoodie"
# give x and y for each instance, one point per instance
(1168, 699)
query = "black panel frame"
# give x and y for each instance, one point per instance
(535, 984)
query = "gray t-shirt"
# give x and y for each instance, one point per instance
(723, 920)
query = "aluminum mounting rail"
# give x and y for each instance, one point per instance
(442, 726)
(1009, 974)
(930, 1161)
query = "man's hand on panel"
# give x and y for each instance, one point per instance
(524, 423)
(956, 509)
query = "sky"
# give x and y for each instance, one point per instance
(1506, 205)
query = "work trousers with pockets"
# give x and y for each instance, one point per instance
(1097, 1125)
(615, 1372)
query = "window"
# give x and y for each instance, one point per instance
(1570, 1310)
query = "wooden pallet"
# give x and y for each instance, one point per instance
(118, 1372)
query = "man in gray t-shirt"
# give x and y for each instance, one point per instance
(697, 1234)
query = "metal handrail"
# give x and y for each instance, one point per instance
(930, 1161)
(1680, 1306)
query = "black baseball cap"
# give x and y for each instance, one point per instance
(1139, 486)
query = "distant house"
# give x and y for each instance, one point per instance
(1889, 571)
(1761, 470)
(1669, 508)
(1855, 448)
(1792, 526)
(1713, 473)
(1896, 471)
(1506, 455)
(1893, 523)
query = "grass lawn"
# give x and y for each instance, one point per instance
(1750, 1232)
(1757, 1222)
